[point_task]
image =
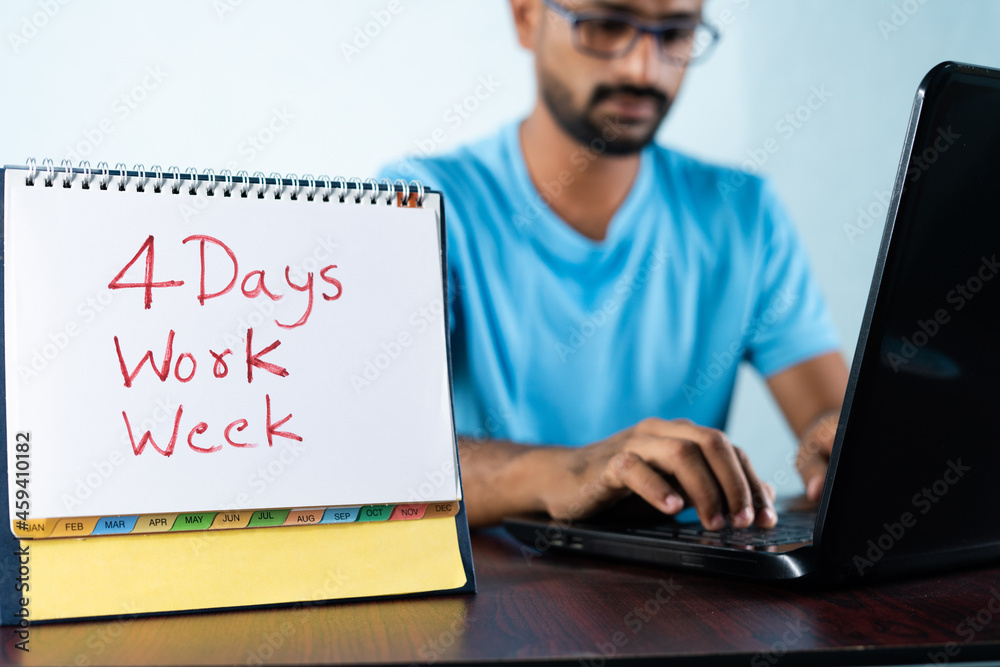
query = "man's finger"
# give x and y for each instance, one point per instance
(725, 466)
(646, 482)
(685, 461)
(814, 490)
(819, 436)
(812, 468)
(763, 494)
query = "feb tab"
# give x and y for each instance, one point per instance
(75, 527)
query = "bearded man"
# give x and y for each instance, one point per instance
(604, 289)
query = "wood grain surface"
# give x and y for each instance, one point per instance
(568, 609)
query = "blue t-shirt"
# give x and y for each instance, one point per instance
(559, 339)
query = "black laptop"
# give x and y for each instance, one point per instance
(914, 480)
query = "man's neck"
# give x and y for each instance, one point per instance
(583, 187)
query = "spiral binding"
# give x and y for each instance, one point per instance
(243, 185)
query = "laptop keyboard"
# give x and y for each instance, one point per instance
(792, 528)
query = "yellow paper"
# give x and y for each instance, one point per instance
(134, 574)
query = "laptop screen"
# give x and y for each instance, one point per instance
(919, 466)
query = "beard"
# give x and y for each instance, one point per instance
(584, 125)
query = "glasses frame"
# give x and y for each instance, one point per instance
(654, 28)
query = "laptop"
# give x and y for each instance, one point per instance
(913, 481)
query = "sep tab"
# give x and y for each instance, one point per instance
(340, 514)
(375, 513)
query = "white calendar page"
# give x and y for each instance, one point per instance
(180, 353)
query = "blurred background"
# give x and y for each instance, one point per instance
(340, 88)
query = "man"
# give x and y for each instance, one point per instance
(604, 288)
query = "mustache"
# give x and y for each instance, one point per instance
(604, 91)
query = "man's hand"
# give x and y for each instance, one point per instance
(810, 395)
(666, 463)
(815, 448)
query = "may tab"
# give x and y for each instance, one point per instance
(193, 521)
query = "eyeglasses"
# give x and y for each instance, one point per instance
(611, 34)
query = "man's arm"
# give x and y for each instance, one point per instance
(810, 395)
(664, 462)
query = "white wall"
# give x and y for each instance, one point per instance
(197, 83)
(871, 55)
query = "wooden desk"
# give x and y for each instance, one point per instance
(569, 609)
